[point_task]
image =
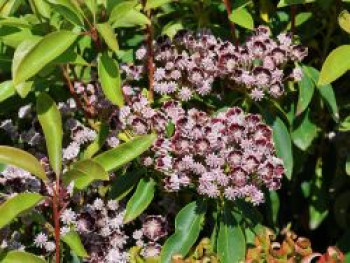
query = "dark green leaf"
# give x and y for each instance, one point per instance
(306, 91)
(108, 35)
(69, 11)
(188, 224)
(97, 144)
(140, 200)
(7, 90)
(305, 133)
(284, 3)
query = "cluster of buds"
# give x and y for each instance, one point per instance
(189, 65)
(229, 155)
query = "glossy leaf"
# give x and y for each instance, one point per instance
(97, 144)
(14, 22)
(7, 90)
(231, 241)
(152, 4)
(50, 120)
(68, 10)
(42, 53)
(124, 153)
(40, 8)
(24, 88)
(344, 21)
(242, 18)
(16, 256)
(306, 91)
(109, 76)
(23, 160)
(336, 64)
(125, 15)
(284, 3)
(108, 35)
(16, 205)
(73, 240)
(140, 200)
(305, 133)
(84, 173)
(283, 145)
(188, 224)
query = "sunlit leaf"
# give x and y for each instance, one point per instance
(42, 53)
(7, 90)
(23, 160)
(16, 256)
(73, 240)
(283, 3)
(16, 205)
(97, 144)
(188, 224)
(242, 18)
(140, 200)
(152, 4)
(50, 119)
(344, 21)
(108, 35)
(69, 10)
(124, 153)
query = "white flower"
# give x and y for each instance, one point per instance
(40, 240)
(50, 246)
(68, 216)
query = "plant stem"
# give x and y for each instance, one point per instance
(228, 7)
(150, 53)
(56, 217)
(293, 10)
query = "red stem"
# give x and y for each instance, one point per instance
(56, 218)
(228, 7)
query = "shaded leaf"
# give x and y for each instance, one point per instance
(16, 205)
(108, 35)
(283, 3)
(23, 160)
(109, 76)
(124, 153)
(68, 10)
(42, 53)
(336, 64)
(73, 240)
(140, 200)
(305, 133)
(50, 120)
(306, 91)
(188, 224)
(84, 173)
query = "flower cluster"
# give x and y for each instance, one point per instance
(190, 64)
(231, 154)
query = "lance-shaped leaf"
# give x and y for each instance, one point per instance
(306, 91)
(109, 76)
(336, 64)
(231, 243)
(7, 90)
(73, 240)
(16, 256)
(140, 200)
(50, 120)
(305, 132)
(108, 35)
(42, 53)
(243, 18)
(68, 10)
(188, 224)
(124, 153)
(84, 173)
(152, 4)
(284, 3)
(16, 205)
(97, 144)
(23, 160)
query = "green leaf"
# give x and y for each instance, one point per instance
(231, 241)
(305, 133)
(109, 76)
(242, 18)
(42, 53)
(21, 256)
(40, 8)
(108, 35)
(336, 64)
(84, 173)
(326, 92)
(14, 22)
(347, 165)
(300, 19)
(123, 184)
(69, 11)
(50, 120)
(284, 3)
(152, 4)
(125, 15)
(73, 240)
(7, 90)
(188, 224)
(344, 21)
(23, 160)
(172, 28)
(306, 91)
(97, 144)
(283, 145)
(9, 7)
(16, 205)
(140, 200)
(124, 153)
(24, 88)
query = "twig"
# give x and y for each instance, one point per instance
(293, 10)
(228, 7)
(150, 53)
